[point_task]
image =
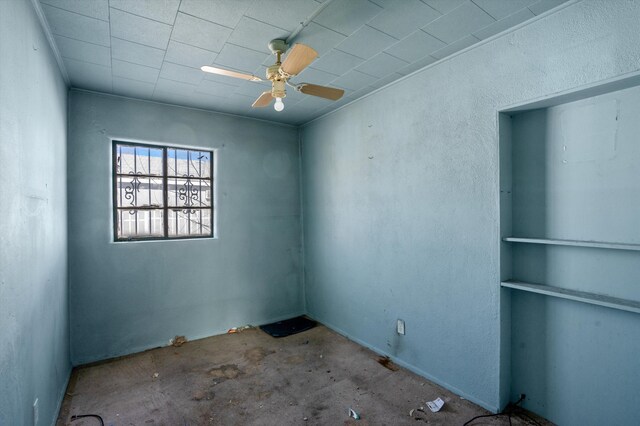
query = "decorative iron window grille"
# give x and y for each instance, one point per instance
(161, 192)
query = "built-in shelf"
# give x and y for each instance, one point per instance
(594, 244)
(579, 296)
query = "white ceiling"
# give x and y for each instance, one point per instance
(153, 49)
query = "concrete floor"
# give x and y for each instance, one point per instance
(250, 378)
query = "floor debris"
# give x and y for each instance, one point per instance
(178, 341)
(419, 414)
(353, 414)
(435, 405)
(80, 416)
(239, 329)
(156, 375)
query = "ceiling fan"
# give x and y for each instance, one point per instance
(279, 74)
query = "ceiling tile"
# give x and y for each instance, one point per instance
(139, 30)
(255, 35)
(191, 56)
(89, 76)
(287, 14)
(417, 45)
(234, 104)
(499, 9)
(454, 47)
(214, 88)
(421, 63)
(164, 85)
(83, 51)
(293, 96)
(320, 38)
(79, 27)
(252, 89)
(134, 71)
(240, 58)
(312, 75)
(261, 71)
(401, 17)
(337, 62)
(504, 24)
(336, 104)
(313, 102)
(170, 97)
(126, 87)
(268, 113)
(297, 115)
(386, 80)
(181, 73)
(268, 61)
(200, 33)
(544, 5)
(366, 42)
(224, 79)
(354, 80)
(95, 9)
(459, 23)
(361, 92)
(136, 53)
(444, 6)
(222, 12)
(346, 16)
(381, 65)
(158, 10)
(225, 105)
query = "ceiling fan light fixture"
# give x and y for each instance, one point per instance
(279, 105)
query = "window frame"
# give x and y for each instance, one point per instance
(165, 192)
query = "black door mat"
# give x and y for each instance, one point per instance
(288, 327)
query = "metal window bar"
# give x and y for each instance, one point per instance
(188, 200)
(135, 193)
(149, 171)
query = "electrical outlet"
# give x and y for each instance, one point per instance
(36, 414)
(401, 327)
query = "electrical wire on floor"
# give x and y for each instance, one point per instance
(508, 411)
(80, 416)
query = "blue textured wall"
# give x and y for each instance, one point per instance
(126, 297)
(401, 195)
(34, 337)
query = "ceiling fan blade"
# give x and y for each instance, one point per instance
(263, 100)
(229, 73)
(321, 91)
(298, 59)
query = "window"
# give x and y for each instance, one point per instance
(161, 192)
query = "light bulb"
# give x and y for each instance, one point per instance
(279, 105)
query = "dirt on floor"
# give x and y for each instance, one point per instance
(251, 378)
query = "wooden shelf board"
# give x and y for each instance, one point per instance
(579, 296)
(575, 243)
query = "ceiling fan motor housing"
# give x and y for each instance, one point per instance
(278, 86)
(278, 89)
(273, 72)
